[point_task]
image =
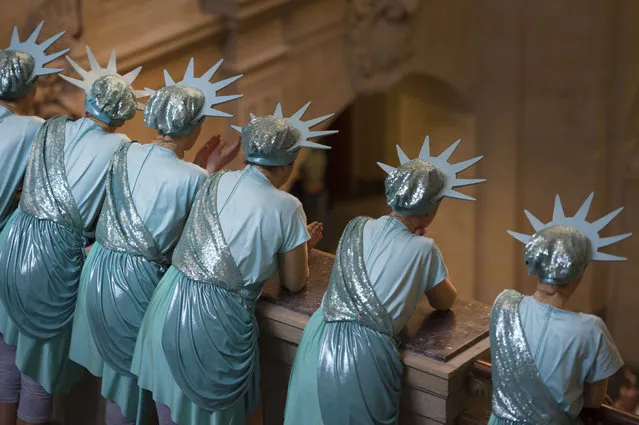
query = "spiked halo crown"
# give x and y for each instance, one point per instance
(37, 51)
(288, 154)
(440, 162)
(89, 77)
(204, 84)
(579, 222)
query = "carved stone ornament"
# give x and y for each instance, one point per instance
(379, 41)
(55, 96)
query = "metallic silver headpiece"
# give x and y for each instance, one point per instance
(110, 97)
(413, 187)
(275, 155)
(208, 89)
(440, 162)
(558, 255)
(417, 186)
(23, 62)
(578, 222)
(174, 110)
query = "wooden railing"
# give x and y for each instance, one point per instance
(604, 415)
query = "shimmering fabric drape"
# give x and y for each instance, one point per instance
(122, 280)
(42, 257)
(210, 333)
(519, 395)
(359, 367)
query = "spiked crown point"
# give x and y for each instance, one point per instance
(204, 84)
(579, 222)
(37, 51)
(440, 162)
(304, 127)
(96, 71)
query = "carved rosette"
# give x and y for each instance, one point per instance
(379, 40)
(55, 96)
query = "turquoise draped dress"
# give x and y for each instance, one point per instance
(149, 195)
(197, 346)
(17, 134)
(42, 246)
(542, 358)
(347, 368)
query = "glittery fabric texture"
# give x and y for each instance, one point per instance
(113, 96)
(42, 257)
(266, 140)
(558, 254)
(350, 295)
(16, 72)
(46, 193)
(174, 110)
(202, 253)
(519, 395)
(209, 337)
(120, 227)
(414, 188)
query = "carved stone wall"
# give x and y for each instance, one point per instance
(379, 42)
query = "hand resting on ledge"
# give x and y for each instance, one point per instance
(293, 265)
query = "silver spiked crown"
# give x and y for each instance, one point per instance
(578, 222)
(96, 72)
(440, 162)
(304, 127)
(208, 89)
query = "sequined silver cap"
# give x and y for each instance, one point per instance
(206, 87)
(413, 188)
(16, 69)
(109, 95)
(277, 156)
(23, 62)
(423, 198)
(111, 100)
(266, 140)
(174, 110)
(568, 243)
(558, 254)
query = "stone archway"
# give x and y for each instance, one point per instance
(370, 128)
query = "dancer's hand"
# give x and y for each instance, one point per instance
(217, 153)
(316, 230)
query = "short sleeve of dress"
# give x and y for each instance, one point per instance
(606, 360)
(436, 270)
(295, 231)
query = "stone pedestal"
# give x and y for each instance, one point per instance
(436, 352)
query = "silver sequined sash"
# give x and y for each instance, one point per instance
(202, 253)
(519, 394)
(120, 227)
(350, 295)
(46, 193)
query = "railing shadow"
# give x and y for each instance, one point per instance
(603, 415)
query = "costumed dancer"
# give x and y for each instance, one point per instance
(347, 368)
(197, 346)
(149, 194)
(20, 66)
(43, 243)
(549, 362)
